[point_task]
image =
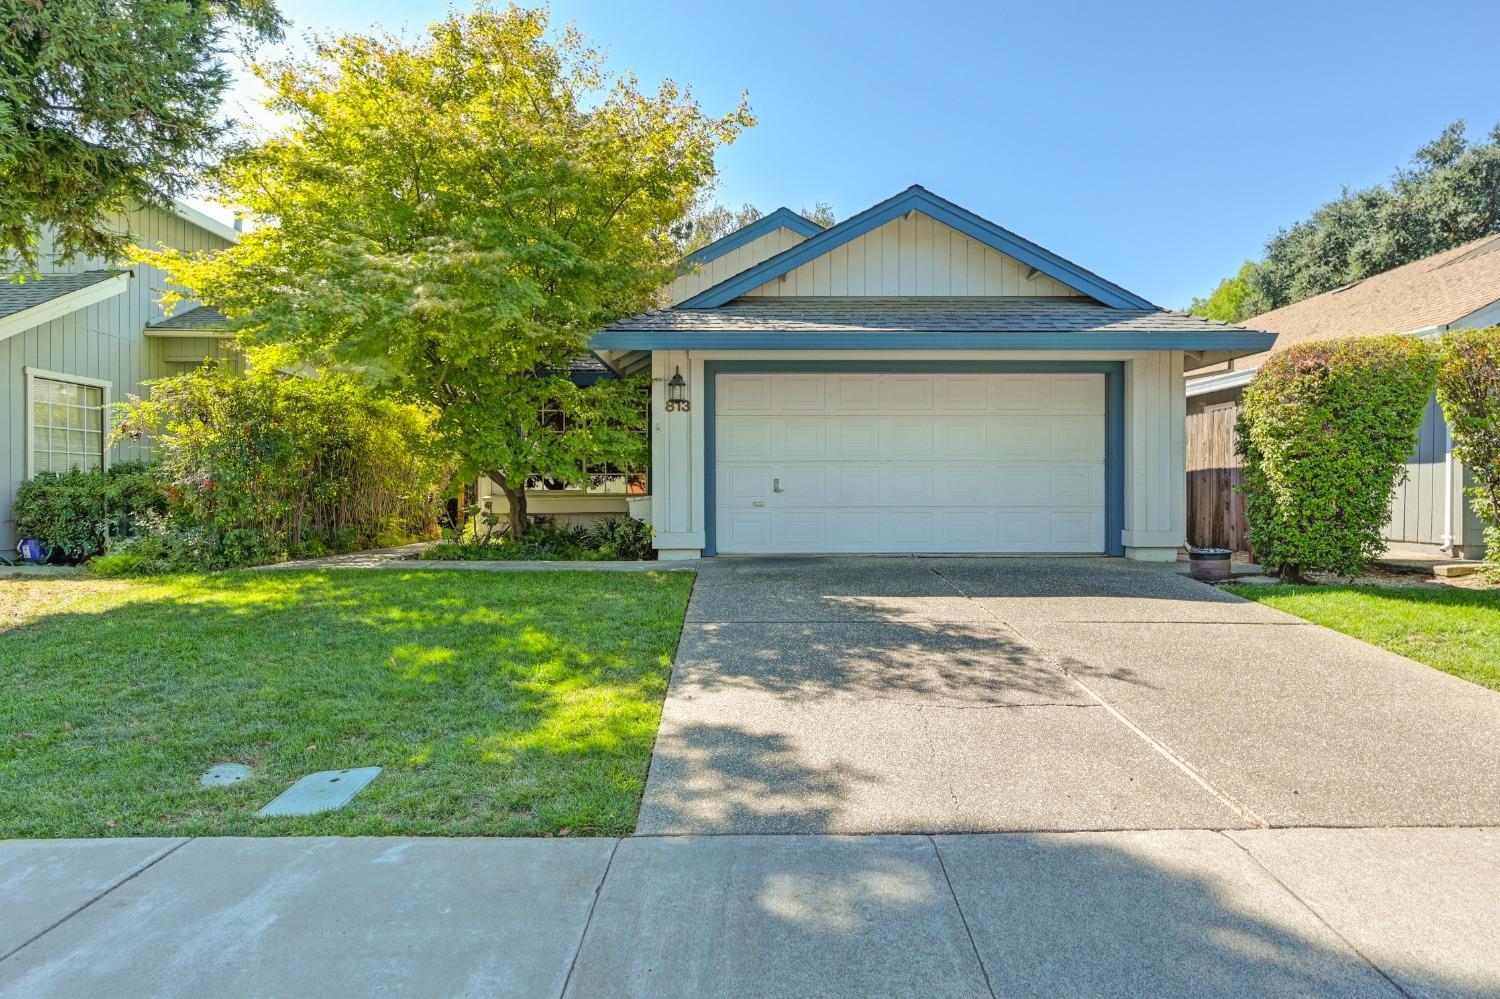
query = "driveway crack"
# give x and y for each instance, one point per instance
(962, 918)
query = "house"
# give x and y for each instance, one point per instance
(1455, 289)
(88, 333)
(915, 379)
(610, 489)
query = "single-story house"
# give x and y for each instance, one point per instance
(915, 379)
(1455, 289)
(88, 333)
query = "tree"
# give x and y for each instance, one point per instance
(456, 216)
(708, 221)
(1469, 390)
(108, 104)
(1325, 429)
(1234, 299)
(1448, 196)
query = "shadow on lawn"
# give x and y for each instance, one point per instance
(496, 704)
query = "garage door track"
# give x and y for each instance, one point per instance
(900, 694)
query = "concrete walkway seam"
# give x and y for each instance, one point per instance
(150, 863)
(589, 919)
(1250, 854)
(962, 917)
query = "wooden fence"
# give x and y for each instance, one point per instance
(1216, 510)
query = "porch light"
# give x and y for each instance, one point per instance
(677, 400)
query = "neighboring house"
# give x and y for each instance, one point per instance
(610, 489)
(1456, 289)
(87, 334)
(915, 379)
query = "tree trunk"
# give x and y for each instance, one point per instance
(1292, 573)
(518, 521)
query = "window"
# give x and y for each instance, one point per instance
(604, 479)
(65, 421)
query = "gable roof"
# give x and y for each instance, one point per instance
(919, 199)
(42, 298)
(1432, 292)
(781, 218)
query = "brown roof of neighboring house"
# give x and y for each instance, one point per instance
(1433, 291)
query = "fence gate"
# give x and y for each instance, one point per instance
(1216, 510)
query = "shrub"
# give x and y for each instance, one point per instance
(1325, 429)
(543, 542)
(79, 512)
(1469, 390)
(263, 467)
(619, 537)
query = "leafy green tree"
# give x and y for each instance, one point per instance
(1233, 300)
(1469, 390)
(1325, 429)
(708, 220)
(107, 104)
(456, 216)
(1448, 196)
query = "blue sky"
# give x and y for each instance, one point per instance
(1158, 144)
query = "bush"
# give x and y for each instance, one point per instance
(80, 512)
(263, 467)
(1469, 390)
(609, 538)
(619, 537)
(1325, 429)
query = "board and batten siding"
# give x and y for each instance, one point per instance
(104, 341)
(722, 268)
(913, 256)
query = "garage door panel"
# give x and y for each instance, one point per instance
(800, 393)
(898, 462)
(744, 394)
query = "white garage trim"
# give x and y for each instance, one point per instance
(1113, 431)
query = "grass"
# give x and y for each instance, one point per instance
(1454, 630)
(498, 704)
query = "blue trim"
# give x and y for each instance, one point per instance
(916, 198)
(781, 218)
(1233, 340)
(1114, 420)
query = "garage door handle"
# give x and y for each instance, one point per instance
(775, 485)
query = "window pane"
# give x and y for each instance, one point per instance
(93, 395)
(75, 442)
(75, 417)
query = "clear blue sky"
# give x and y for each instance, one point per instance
(1158, 143)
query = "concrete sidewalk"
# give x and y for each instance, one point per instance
(1367, 912)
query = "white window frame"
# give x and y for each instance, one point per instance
(32, 374)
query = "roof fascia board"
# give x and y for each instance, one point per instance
(1219, 382)
(203, 221)
(45, 312)
(781, 218)
(935, 207)
(1245, 342)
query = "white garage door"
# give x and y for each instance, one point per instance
(810, 463)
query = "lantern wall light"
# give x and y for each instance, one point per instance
(677, 400)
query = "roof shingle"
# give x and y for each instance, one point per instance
(201, 318)
(39, 290)
(1434, 291)
(959, 315)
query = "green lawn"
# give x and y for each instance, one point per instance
(507, 704)
(1456, 630)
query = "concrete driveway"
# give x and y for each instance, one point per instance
(886, 695)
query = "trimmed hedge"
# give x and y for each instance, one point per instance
(1325, 429)
(1469, 390)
